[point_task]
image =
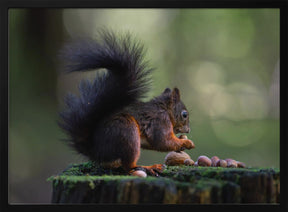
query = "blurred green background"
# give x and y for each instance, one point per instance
(224, 61)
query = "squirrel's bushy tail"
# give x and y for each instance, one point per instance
(126, 80)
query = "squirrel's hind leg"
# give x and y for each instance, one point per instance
(130, 143)
(128, 140)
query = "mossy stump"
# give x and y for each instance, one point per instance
(88, 183)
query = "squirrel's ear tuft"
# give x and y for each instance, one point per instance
(176, 95)
(167, 91)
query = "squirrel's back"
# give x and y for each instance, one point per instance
(125, 82)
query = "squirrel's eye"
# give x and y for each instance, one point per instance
(184, 114)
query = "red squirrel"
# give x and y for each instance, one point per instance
(108, 122)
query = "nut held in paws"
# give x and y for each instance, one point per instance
(183, 137)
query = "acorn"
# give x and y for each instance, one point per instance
(214, 161)
(176, 158)
(203, 161)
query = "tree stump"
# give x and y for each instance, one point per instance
(89, 183)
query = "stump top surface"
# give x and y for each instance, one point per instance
(88, 171)
(88, 182)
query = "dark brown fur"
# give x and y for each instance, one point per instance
(155, 121)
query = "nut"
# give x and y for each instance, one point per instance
(189, 162)
(139, 173)
(176, 158)
(221, 163)
(240, 164)
(231, 163)
(183, 137)
(214, 161)
(204, 161)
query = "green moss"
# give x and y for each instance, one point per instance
(182, 173)
(193, 174)
(91, 185)
(89, 178)
(90, 173)
(90, 168)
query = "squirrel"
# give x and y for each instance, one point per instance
(108, 122)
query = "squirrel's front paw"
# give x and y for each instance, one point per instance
(188, 144)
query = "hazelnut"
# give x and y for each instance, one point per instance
(214, 161)
(176, 158)
(204, 161)
(231, 163)
(183, 137)
(240, 164)
(139, 173)
(221, 163)
(188, 162)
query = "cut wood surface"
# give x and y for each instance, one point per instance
(89, 183)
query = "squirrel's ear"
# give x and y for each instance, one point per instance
(167, 95)
(176, 95)
(167, 91)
